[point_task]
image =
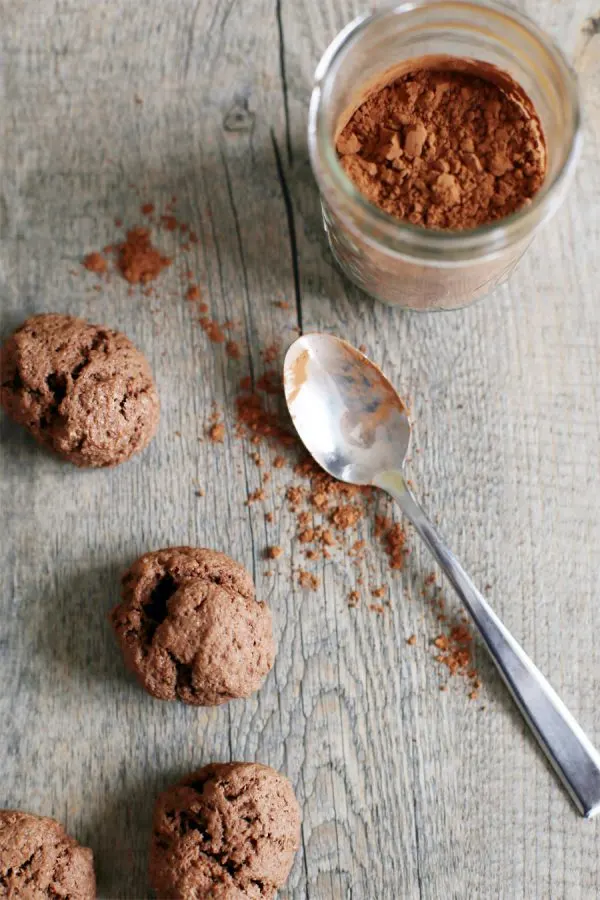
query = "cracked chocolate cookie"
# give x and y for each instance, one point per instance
(229, 831)
(83, 391)
(190, 627)
(38, 860)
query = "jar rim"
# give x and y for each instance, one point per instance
(484, 240)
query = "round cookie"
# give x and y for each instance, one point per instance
(83, 391)
(229, 831)
(38, 859)
(190, 627)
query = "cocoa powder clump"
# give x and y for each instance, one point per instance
(445, 149)
(139, 261)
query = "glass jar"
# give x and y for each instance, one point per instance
(403, 264)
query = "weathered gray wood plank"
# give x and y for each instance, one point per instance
(406, 792)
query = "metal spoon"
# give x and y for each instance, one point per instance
(356, 427)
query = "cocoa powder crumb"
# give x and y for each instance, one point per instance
(138, 261)
(281, 304)
(274, 552)
(294, 495)
(256, 496)
(278, 462)
(232, 348)
(216, 433)
(327, 538)
(193, 293)
(270, 353)
(169, 222)
(412, 640)
(377, 608)
(447, 148)
(213, 330)
(393, 538)
(353, 598)
(308, 580)
(147, 209)
(345, 517)
(96, 263)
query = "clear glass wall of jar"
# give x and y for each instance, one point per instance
(394, 261)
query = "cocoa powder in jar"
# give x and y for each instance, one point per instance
(444, 143)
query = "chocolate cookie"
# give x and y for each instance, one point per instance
(38, 859)
(190, 627)
(229, 831)
(82, 390)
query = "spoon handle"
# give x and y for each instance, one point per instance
(565, 744)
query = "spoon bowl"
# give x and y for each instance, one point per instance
(346, 412)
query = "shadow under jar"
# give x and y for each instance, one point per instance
(410, 266)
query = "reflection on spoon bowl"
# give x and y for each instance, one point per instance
(345, 410)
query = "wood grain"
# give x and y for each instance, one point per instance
(406, 792)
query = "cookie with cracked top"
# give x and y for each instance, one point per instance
(82, 390)
(39, 860)
(190, 627)
(227, 832)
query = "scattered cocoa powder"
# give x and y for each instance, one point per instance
(451, 144)
(454, 645)
(254, 419)
(456, 652)
(259, 417)
(393, 539)
(147, 209)
(281, 304)
(412, 640)
(353, 598)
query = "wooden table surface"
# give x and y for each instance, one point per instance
(406, 791)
